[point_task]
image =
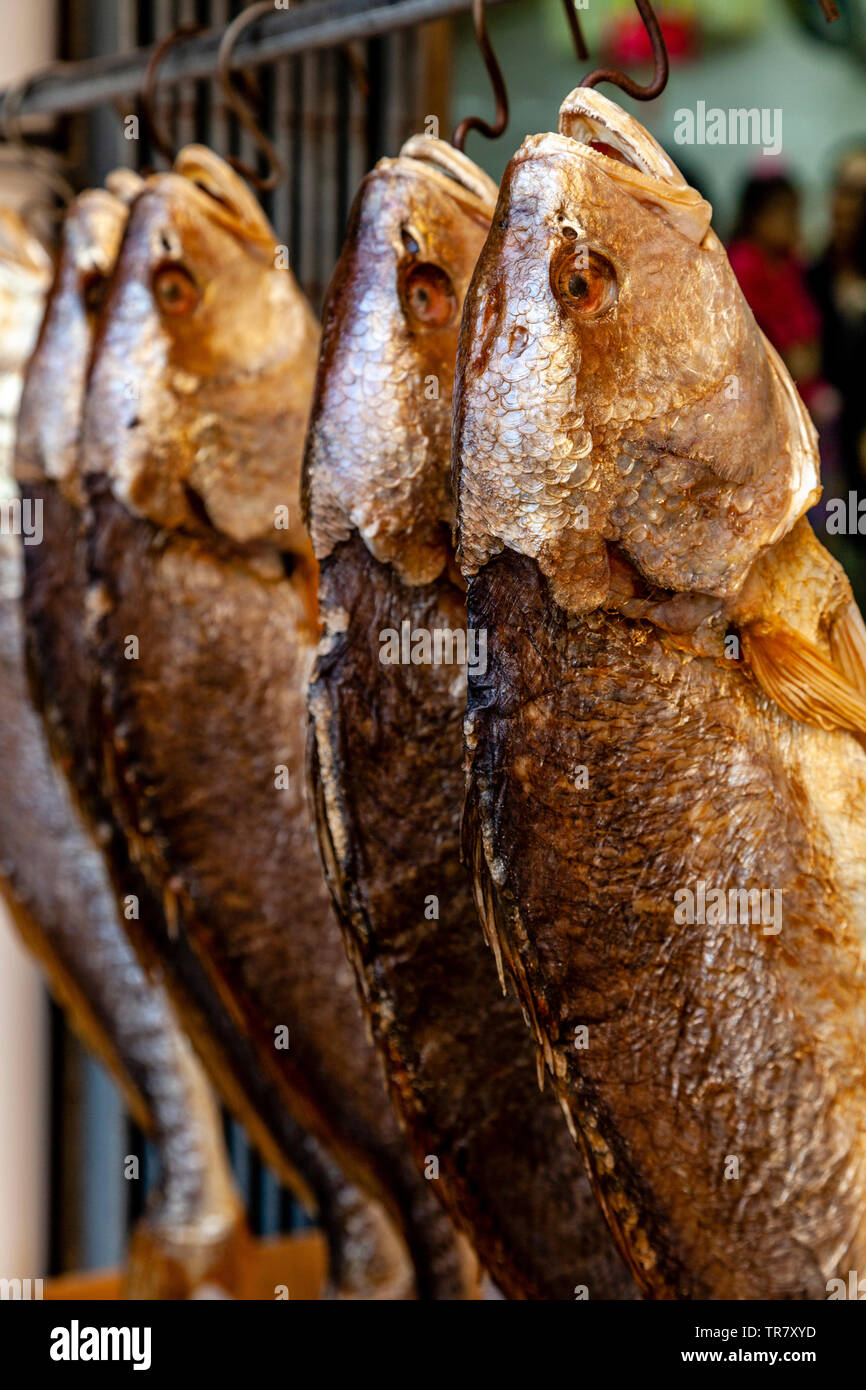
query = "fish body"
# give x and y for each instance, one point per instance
(59, 605)
(196, 408)
(96, 966)
(666, 776)
(386, 735)
(55, 881)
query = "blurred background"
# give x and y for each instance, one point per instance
(794, 219)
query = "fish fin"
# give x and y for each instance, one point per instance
(539, 1068)
(333, 858)
(801, 680)
(848, 645)
(475, 845)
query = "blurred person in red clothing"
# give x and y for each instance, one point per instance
(764, 255)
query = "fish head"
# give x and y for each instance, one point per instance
(53, 398)
(378, 448)
(203, 363)
(613, 389)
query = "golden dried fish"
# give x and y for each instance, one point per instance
(55, 881)
(66, 677)
(194, 424)
(664, 792)
(387, 734)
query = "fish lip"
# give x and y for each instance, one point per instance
(440, 156)
(224, 191)
(23, 253)
(198, 506)
(434, 163)
(566, 146)
(173, 189)
(123, 185)
(84, 218)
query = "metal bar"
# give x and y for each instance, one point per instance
(326, 24)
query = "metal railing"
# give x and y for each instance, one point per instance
(308, 28)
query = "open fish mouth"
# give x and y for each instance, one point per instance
(594, 128)
(592, 119)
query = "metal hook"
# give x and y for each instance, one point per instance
(29, 157)
(576, 32)
(157, 136)
(494, 72)
(660, 55)
(497, 81)
(241, 107)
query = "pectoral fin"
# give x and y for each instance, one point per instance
(848, 645)
(805, 683)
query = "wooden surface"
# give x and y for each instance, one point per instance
(296, 1261)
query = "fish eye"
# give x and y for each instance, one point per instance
(428, 295)
(174, 289)
(583, 281)
(93, 288)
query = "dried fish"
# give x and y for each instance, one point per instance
(387, 704)
(665, 755)
(205, 622)
(55, 881)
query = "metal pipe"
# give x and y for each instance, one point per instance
(326, 24)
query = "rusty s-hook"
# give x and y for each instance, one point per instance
(241, 107)
(577, 38)
(497, 82)
(494, 72)
(158, 138)
(660, 57)
(659, 78)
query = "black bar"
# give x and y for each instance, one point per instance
(250, 1342)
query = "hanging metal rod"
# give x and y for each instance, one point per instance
(319, 24)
